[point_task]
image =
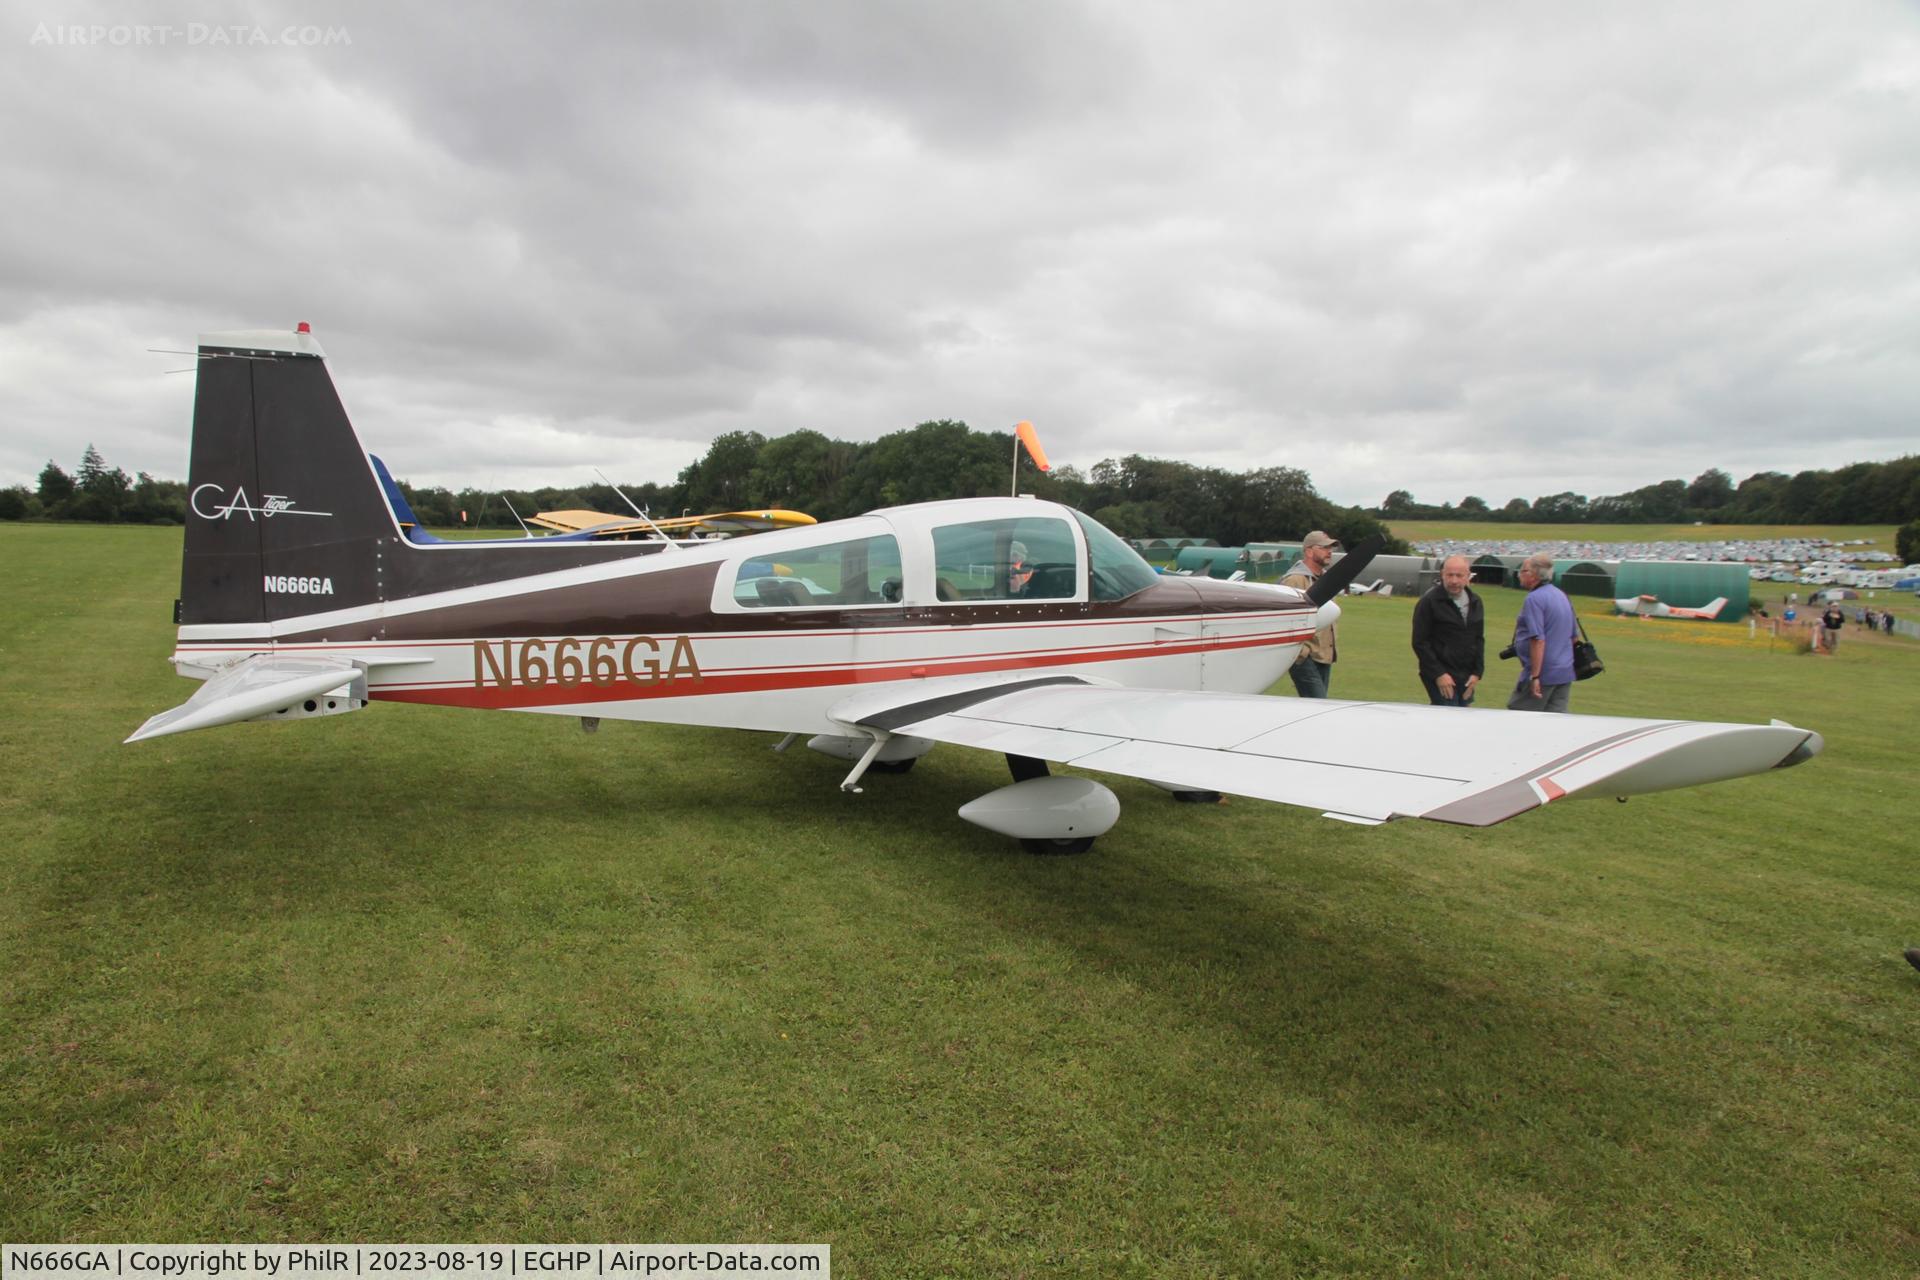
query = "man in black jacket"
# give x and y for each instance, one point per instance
(1830, 623)
(1450, 636)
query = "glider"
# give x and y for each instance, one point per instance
(1003, 624)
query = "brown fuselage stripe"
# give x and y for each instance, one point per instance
(1515, 796)
(680, 602)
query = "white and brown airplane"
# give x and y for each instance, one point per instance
(1005, 624)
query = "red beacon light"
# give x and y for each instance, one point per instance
(303, 327)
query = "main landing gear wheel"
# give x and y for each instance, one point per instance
(1079, 845)
(893, 766)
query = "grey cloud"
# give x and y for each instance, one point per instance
(1397, 246)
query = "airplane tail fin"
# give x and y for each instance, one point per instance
(1712, 611)
(285, 514)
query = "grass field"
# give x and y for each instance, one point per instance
(414, 974)
(1881, 535)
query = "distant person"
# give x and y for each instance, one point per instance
(1450, 636)
(1886, 622)
(1543, 640)
(1312, 671)
(1830, 623)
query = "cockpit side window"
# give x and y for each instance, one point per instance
(862, 572)
(1031, 558)
(1114, 569)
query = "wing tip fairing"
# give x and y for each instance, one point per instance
(1666, 756)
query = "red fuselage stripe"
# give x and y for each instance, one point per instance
(499, 697)
(1014, 657)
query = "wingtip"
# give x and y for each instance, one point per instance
(152, 727)
(1809, 747)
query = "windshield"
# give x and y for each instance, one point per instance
(1115, 569)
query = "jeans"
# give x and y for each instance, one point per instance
(1460, 697)
(1310, 678)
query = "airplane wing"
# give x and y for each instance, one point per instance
(574, 520)
(258, 686)
(1365, 762)
(603, 525)
(752, 521)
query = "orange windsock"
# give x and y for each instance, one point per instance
(1025, 431)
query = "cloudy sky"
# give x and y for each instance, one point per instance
(1498, 249)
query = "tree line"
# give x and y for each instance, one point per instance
(1863, 493)
(828, 479)
(1134, 496)
(98, 493)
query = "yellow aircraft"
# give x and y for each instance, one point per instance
(600, 525)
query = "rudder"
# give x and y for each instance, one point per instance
(284, 513)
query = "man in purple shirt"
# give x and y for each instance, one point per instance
(1543, 640)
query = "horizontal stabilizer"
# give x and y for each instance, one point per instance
(257, 686)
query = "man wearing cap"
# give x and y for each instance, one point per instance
(1312, 671)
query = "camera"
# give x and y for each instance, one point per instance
(1506, 653)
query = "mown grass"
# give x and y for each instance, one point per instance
(414, 974)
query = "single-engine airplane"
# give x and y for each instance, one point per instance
(1006, 624)
(1655, 607)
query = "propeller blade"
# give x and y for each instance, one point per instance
(1344, 570)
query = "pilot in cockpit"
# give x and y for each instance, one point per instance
(1019, 569)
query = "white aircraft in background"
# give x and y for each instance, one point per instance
(1655, 607)
(1005, 624)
